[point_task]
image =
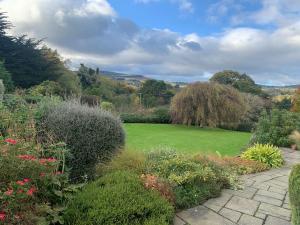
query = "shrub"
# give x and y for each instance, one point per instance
(295, 137)
(276, 127)
(267, 154)
(239, 165)
(107, 106)
(119, 198)
(91, 135)
(2, 90)
(193, 181)
(125, 161)
(208, 105)
(294, 194)
(90, 100)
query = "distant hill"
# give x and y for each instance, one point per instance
(280, 87)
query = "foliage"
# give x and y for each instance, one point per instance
(193, 181)
(33, 185)
(5, 76)
(238, 165)
(46, 88)
(118, 198)
(91, 135)
(90, 100)
(284, 104)
(158, 115)
(295, 138)
(208, 105)
(276, 127)
(87, 76)
(155, 93)
(242, 82)
(124, 161)
(107, 106)
(294, 194)
(255, 106)
(267, 154)
(296, 101)
(2, 90)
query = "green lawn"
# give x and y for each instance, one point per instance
(146, 137)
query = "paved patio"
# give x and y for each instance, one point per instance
(263, 200)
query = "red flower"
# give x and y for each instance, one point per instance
(2, 216)
(42, 174)
(20, 182)
(26, 180)
(10, 141)
(9, 192)
(27, 157)
(31, 191)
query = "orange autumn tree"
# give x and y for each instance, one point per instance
(296, 101)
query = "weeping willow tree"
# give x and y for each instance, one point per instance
(208, 105)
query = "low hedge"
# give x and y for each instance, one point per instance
(118, 198)
(294, 193)
(160, 115)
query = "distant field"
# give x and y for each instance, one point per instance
(145, 137)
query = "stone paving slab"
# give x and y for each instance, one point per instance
(263, 200)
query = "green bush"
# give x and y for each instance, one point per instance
(107, 106)
(276, 127)
(159, 115)
(267, 154)
(193, 181)
(294, 193)
(2, 90)
(118, 198)
(91, 134)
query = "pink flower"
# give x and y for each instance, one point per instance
(20, 182)
(2, 216)
(48, 160)
(10, 141)
(27, 157)
(31, 191)
(26, 180)
(9, 192)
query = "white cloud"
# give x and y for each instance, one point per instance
(183, 5)
(92, 32)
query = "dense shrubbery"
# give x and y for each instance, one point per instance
(267, 154)
(208, 105)
(294, 194)
(255, 106)
(276, 127)
(91, 134)
(159, 115)
(119, 198)
(193, 181)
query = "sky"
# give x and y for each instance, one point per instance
(174, 40)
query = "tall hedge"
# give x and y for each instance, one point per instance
(92, 135)
(294, 193)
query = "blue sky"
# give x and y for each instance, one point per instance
(177, 40)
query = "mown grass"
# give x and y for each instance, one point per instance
(146, 137)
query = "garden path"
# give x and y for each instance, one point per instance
(262, 201)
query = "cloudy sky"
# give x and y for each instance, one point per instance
(183, 40)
